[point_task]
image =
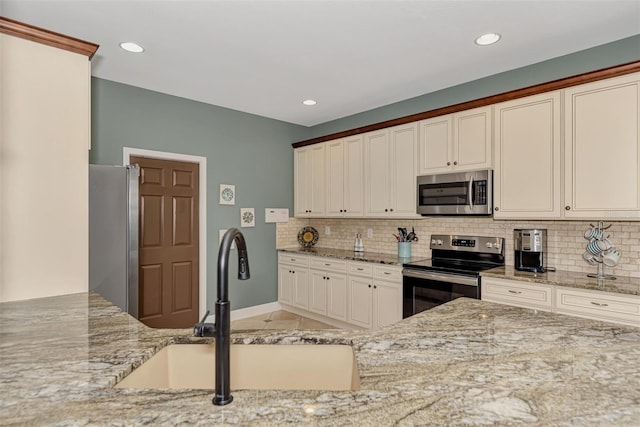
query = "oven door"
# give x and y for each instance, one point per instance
(423, 289)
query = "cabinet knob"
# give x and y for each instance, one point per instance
(448, 163)
(345, 210)
(496, 209)
(455, 163)
(567, 208)
(375, 287)
(386, 210)
(369, 285)
(391, 209)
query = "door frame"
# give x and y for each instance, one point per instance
(127, 152)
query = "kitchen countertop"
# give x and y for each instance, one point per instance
(467, 362)
(569, 279)
(350, 255)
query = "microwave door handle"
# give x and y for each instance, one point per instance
(470, 194)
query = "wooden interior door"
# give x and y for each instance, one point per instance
(169, 255)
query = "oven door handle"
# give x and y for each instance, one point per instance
(450, 278)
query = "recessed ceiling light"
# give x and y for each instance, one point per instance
(132, 47)
(487, 39)
(309, 102)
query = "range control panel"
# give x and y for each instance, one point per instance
(453, 242)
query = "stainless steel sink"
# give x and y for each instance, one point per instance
(253, 367)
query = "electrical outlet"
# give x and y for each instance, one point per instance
(369, 233)
(327, 230)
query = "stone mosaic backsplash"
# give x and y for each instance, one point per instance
(565, 241)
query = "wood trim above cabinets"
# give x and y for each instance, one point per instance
(563, 83)
(46, 37)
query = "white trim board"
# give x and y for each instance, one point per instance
(127, 152)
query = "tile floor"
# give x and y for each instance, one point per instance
(278, 320)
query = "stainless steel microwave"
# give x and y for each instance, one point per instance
(460, 193)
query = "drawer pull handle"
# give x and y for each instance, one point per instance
(387, 273)
(360, 269)
(514, 292)
(293, 259)
(599, 304)
(327, 264)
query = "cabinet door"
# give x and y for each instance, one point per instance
(353, 176)
(335, 187)
(337, 296)
(377, 173)
(436, 140)
(308, 184)
(403, 156)
(618, 308)
(285, 284)
(360, 301)
(527, 158)
(387, 303)
(472, 139)
(318, 292)
(300, 288)
(602, 154)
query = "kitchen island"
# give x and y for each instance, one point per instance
(467, 362)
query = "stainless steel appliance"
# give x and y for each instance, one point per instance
(461, 193)
(452, 272)
(530, 246)
(113, 234)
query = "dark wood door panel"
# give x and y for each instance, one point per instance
(169, 248)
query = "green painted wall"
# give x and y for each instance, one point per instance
(607, 55)
(252, 152)
(255, 154)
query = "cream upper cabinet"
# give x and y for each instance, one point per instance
(602, 155)
(309, 182)
(456, 142)
(390, 165)
(344, 177)
(527, 179)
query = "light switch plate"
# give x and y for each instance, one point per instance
(327, 230)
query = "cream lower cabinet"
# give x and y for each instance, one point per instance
(598, 305)
(602, 149)
(527, 179)
(293, 283)
(390, 170)
(375, 296)
(328, 287)
(522, 294)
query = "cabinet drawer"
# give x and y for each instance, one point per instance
(329, 264)
(361, 269)
(293, 259)
(599, 305)
(390, 273)
(522, 294)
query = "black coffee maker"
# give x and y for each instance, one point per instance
(530, 246)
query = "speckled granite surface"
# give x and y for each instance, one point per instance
(467, 362)
(374, 257)
(569, 279)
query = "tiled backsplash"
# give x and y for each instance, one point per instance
(565, 241)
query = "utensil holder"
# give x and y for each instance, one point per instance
(404, 249)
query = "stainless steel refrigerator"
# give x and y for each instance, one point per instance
(113, 234)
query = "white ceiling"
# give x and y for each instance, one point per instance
(264, 57)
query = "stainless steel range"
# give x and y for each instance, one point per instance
(452, 272)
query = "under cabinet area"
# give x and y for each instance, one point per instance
(521, 294)
(340, 292)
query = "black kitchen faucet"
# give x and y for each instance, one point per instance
(221, 329)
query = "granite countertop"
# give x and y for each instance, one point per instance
(569, 279)
(350, 255)
(467, 362)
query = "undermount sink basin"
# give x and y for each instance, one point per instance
(253, 367)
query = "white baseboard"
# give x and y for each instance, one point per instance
(256, 310)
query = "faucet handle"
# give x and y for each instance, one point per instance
(203, 329)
